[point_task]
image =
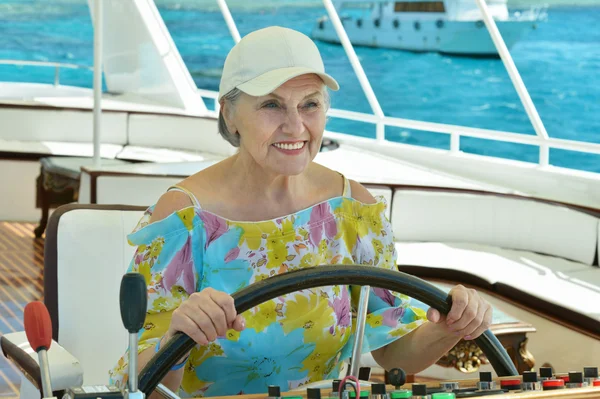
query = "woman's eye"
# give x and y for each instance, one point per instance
(270, 105)
(312, 104)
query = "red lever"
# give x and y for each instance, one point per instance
(38, 326)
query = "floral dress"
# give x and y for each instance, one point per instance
(294, 339)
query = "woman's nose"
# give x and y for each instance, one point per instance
(294, 123)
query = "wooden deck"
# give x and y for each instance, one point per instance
(21, 281)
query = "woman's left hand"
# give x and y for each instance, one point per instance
(469, 316)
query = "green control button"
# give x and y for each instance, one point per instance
(443, 395)
(401, 394)
(363, 394)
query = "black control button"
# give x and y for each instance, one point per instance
(378, 389)
(529, 376)
(590, 372)
(485, 376)
(419, 389)
(274, 391)
(575, 377)
(546, 372)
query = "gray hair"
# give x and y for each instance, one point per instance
(233, 138)
(232, 97)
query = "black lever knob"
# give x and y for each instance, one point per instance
(133, 300)
(396, 377)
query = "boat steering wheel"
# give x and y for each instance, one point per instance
(255, 294)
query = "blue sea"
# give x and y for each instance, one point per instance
(559, 63)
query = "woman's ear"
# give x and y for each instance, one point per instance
(226, 110)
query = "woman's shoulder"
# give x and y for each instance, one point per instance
(173, 214)
(349, 200)
(169, 203)
(361, 193)
(181, 196)
(338, 182)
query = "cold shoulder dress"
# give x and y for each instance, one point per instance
(288, 341)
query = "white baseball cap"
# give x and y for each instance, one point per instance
(265, 59)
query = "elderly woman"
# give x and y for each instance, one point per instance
(264, 211)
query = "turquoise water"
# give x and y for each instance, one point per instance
(559, 63)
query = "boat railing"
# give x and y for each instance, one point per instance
(46, 64)
(538, 12)
(381, 121)
(456, 132)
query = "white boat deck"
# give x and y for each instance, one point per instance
(368, 167)
(355, 163)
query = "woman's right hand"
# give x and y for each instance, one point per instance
(204, 316)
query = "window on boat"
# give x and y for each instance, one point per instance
(359, 5)
(419, 6)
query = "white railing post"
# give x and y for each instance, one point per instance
(454, 142)
(380, 131)
(512, 71)
(544, 155)
(358, 70)
(56, 75)
(229, 20)
(98, 22)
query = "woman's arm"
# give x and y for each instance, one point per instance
(167, 204)
(172, 380)
(417, 350)
(468, 318)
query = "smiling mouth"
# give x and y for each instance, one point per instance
(289, 146)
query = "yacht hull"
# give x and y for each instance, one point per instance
(450, 37)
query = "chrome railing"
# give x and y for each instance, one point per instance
(456, 132)
(533, 14)
(56, 65)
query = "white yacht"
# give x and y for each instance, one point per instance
(526, 235)
(445, 26)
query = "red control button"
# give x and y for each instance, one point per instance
(553, 384)
(511, 384)
(565, 378)
(597, 383)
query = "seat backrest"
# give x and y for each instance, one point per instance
(192, 133)
(383, 191)
(86, 255)
(33, 124)
(497, 220)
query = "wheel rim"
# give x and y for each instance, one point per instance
(320, 276)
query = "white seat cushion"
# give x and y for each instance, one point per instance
(386, 193)
(506, 222)
(92, 255)
(34, 124)
(573, 285)
(65, 370)
(192, 133)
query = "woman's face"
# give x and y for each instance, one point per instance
(282, 131)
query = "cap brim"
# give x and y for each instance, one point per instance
(269, 81)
